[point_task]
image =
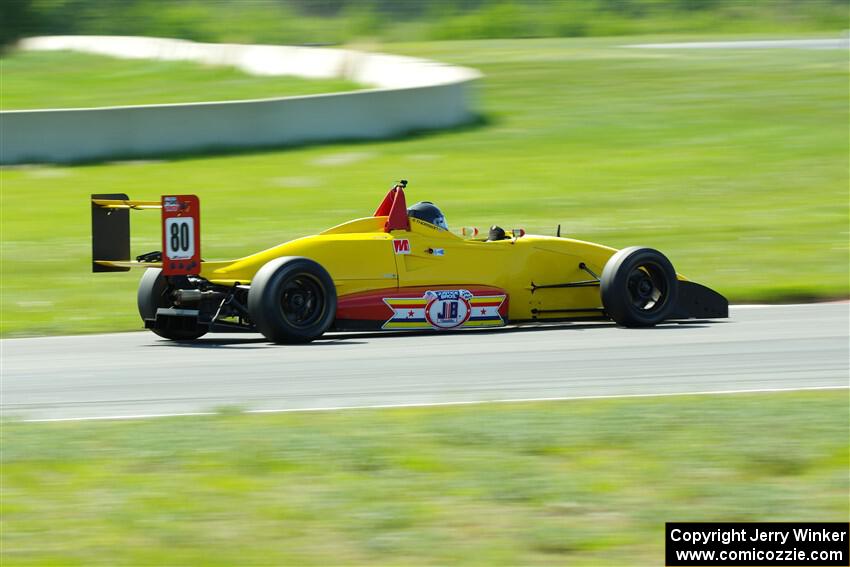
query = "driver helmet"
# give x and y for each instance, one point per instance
(428, 212)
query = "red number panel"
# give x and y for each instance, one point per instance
(181, 235)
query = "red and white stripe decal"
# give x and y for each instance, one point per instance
(370, 305)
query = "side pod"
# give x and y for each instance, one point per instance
(699, 302)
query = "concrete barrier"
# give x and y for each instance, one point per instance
(408, 94)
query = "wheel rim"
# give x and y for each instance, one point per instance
(302, 301)
(647, 287)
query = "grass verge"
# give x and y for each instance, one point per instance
(580, 482)
(56, 79)
(732, 162)
(288, 21)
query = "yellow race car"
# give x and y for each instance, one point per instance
(398, 269)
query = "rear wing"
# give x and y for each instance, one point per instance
(181, 230)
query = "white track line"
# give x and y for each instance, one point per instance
(440, 404)
(819, 43)
(774, 305)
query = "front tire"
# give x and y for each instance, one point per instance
(154, 293)
(292, 300)
(639, 287)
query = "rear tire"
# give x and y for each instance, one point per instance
(639, 287)
(292, 300)
(153, 294)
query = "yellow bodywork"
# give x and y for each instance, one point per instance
(360, 256)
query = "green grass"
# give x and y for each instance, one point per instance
(296, 22)
(56, 79)
(558, 483)
(734, 163)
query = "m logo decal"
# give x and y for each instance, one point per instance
(401, 246)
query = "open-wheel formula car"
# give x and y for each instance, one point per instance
(399, 269)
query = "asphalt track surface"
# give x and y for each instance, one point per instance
(141, 375)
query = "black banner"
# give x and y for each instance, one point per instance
(763, 544)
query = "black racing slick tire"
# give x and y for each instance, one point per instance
(292, 300)
(639, 287)
(153, 294)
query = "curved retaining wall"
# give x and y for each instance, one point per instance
(409, 94)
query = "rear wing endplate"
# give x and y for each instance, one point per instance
(110, 229)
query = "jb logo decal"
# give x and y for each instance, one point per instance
(447, 309)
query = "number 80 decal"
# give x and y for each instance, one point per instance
(181, 235)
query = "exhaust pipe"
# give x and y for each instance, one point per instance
(187, 296)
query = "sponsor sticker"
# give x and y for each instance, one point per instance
(170, 204)
(401, 246)
(445, 309)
